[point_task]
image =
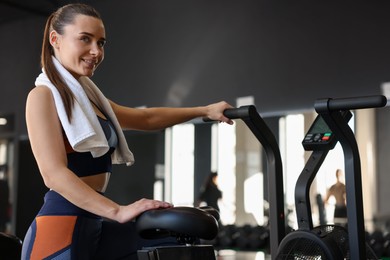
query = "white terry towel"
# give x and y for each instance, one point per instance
(84, 132)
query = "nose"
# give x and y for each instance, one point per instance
(96, 50)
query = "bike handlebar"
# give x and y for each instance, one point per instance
(352, 103)
(235, 113)
(240, 112)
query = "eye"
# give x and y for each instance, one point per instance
(85, 39)
(101, 43)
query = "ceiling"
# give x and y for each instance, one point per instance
(11, 10)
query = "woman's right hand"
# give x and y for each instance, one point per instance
(131, 211)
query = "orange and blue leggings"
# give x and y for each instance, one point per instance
(61, 231)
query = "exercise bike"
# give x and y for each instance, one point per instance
(335, 113)
(331, 241)
(189, 224)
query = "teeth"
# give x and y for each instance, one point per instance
(90, 62)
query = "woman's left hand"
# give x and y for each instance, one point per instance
(215, 112)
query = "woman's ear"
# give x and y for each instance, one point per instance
(53, 39)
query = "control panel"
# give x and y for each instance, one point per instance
(319, 136)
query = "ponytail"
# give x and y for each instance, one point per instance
(51, 71)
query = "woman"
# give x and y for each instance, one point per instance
(210, 193)
(75, 134)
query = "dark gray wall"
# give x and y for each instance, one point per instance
(285, 53)
(129, 184)
(174, 52)
(383, 162)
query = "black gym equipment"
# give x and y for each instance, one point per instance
(194, 223)
(376, 241)
(262, 132)
(186, 224)
(250, 116)
(264, 135)
(10, 247)
(321, 209)
(324, 242)
(331, 241)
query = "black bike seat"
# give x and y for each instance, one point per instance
(212, 211)
(198, 222)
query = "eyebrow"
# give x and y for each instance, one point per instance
(90, 34)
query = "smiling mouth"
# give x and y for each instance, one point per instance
(91, 63)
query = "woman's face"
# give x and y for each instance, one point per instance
(81, 48)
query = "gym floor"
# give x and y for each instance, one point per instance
(241, 255)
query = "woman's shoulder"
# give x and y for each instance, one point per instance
(40, 96)
(40, 92)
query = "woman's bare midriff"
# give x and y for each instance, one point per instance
(97, 182)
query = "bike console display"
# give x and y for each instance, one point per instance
(319, 136)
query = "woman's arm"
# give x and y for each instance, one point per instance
(45, 133)
(162, 117)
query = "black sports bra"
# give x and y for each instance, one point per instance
(83, 164)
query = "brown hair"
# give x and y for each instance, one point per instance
(57, 21)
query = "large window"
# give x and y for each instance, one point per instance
(180, 164)
(291, 134)
(224, 161)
